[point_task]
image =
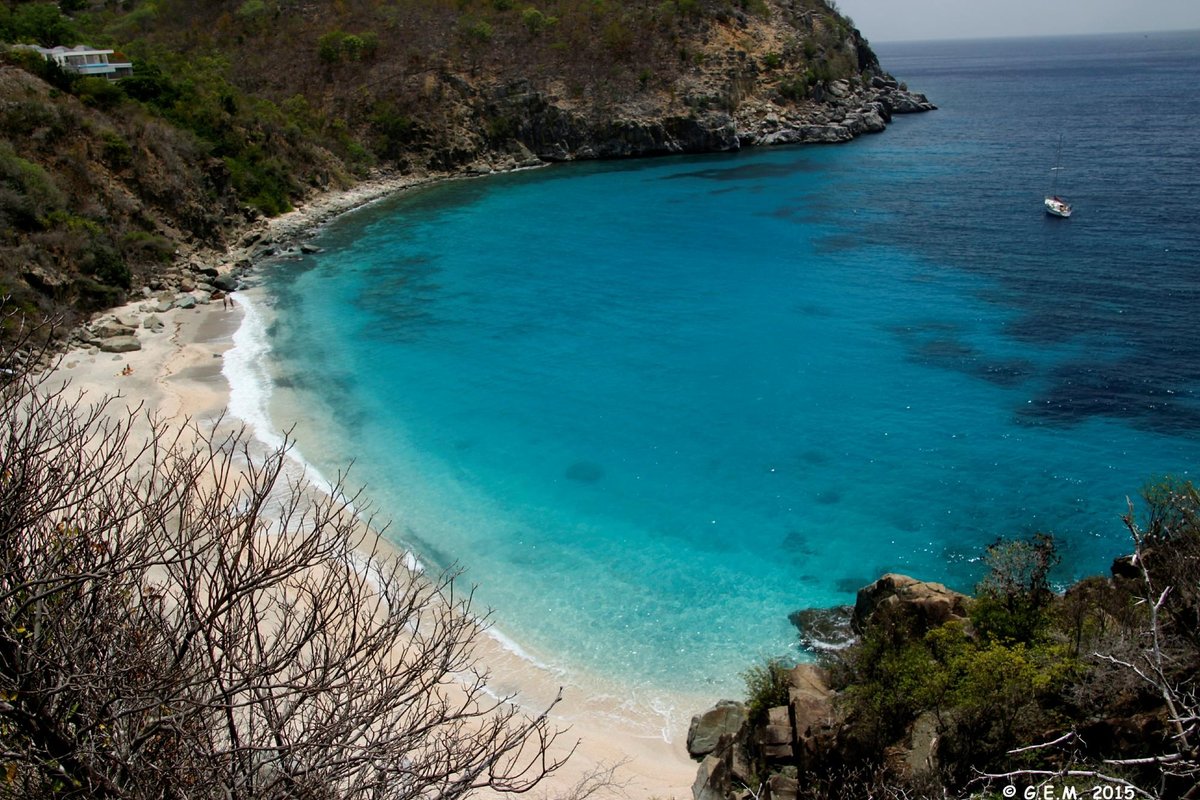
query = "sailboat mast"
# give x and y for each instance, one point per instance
(1057, 166)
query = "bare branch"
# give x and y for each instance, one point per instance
(180, 616)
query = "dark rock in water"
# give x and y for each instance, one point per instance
(797, 542)
(726, 718)
(584, 472)
(829, 497)
(824, 628)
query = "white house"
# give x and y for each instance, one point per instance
(85, 60)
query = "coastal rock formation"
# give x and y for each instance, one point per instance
(120, 344)
(823, 629)
(926, 605)
(724, 720)
(791, 737)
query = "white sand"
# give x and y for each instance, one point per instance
(177, 374)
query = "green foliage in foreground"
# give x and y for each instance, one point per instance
(1030, 665)
(767, 686)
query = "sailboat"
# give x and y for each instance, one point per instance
(1055, 205)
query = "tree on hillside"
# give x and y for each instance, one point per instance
(179, 618)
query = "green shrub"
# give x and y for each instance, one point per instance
(107, 265)
(144, 246)
(149, 85)
(99, 92)
(767, 686)
(1011, 602)
(263, 183)
(535, 21)
(795, 88)
(115, 151)
(28, 194)
(393, 130)
(478, 31)
(252, 9)
(39, 23)
(329, 46)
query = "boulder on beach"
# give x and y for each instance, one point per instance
(226, 282)
(107, 329)
(120, 344)
(726, 718)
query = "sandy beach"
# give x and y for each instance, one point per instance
(177, 375)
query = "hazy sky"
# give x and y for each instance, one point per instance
(900, 20)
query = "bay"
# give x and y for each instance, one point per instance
(654, 406)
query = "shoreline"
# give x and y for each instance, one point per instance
(179, 373)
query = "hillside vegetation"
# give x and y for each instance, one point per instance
(1091, 692)
(241, 108)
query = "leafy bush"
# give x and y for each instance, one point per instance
(988, 696)
(27, 192)
(795, 88)
(38, 23)
(252, 9)
(98, 92)
(767, 686)
(1012, 599)
(478, 31)
(535, 21)
(393, 130)
(337, 46)
(149, 85)
(143, 246)
(263, 182)
(107, 264)
(329, 46)
(115, 151)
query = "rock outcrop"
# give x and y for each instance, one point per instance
(791, 737)
(926, 605)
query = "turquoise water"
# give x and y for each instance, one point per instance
(654, 406)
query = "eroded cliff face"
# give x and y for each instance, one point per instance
(793, 73)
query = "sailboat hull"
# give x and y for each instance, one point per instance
(1056, 207)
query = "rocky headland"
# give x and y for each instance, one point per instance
(140, 188)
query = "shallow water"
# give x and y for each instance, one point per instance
(654, 406)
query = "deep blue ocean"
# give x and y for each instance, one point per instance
(654, 406)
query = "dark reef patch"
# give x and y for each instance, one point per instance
(750, 172)
(829, 497)
(584, 472)
(1145, 395)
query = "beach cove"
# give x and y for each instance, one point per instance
(179, 375)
